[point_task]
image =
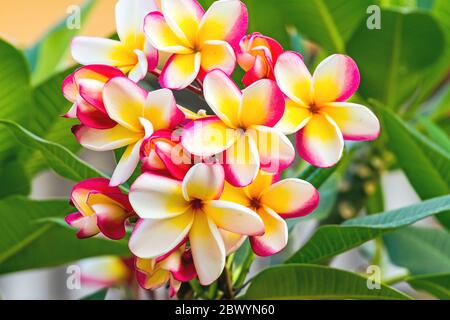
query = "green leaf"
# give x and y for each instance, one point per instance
(15, 93)
(331, 240)
(47, 121)
(26, 242)
(51, 51)
(98, 295)
(426, 165)
(317, 176)
(436, 284)
(439, 71)
(436, 134)
(59, 158)
(420, 250)
(327, 22)
(14, 179)
(391, 59)
(302, 281)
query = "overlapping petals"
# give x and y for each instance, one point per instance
(273, 202)
(242, 129)
(199, 41)
(137, 114)
(175, 267)
(132, 54)
(316, 107)
(257, 55)
(188, 209)
(208, 182)
(163, 153)
(101, 209)
(84, 89)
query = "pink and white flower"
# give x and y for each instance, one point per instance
(273, 202)
(101, 209)
(242, 130)
(132, 54)
(163, 153)
(257, 55)
(316, 107)
(198, 41)
(84, 88)
(172, 210)
(138, 114)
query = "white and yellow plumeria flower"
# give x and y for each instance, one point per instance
(172, 210)
(316, 107)
(132, 54)
(137, 113)
(242, 128)
(198, 41)
(274, 202)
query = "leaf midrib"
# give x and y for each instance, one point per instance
(24, 243)
(330, 25)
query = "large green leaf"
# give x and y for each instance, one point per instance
(331, 240)
(436, 134)
(330, 23)
(98, 295)
(46, 120)
(391, 59)
(14, 179)
(420, 250)
(50, 52)
(302, 281)
(15, 93)
(436, 284)
(439, 71)
(27, 243)
(426, 165)
(59, 158)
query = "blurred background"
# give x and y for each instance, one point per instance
(24, 22)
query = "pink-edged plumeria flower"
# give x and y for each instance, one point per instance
(101, 209)
(163, 153)
(198, 41)
(106, 271)
(274, 202)
(242, 129)
(132, 53)
(257, 55)
(174, 267)
(137, 113)
(172, 210)
(84, 89)
(316, 107)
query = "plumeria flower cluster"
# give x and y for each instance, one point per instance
(207, 182)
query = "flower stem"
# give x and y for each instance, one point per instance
(245, 269)
(228, 284)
